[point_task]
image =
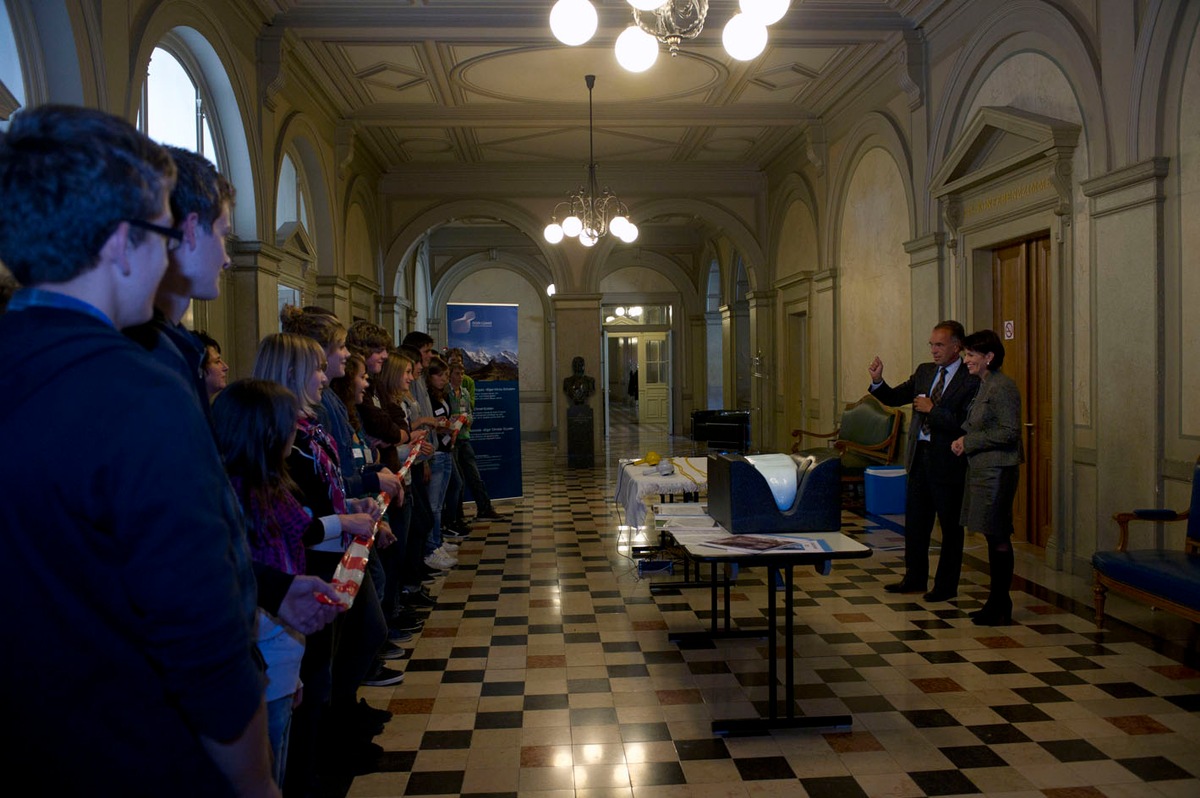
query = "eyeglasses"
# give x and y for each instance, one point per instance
(174, 237)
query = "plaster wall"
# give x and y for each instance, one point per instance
(796, 251)
(637, 279)
(874, 305)
(1187, 299)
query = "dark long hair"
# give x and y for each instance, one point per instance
(436, 366)
(253, 420)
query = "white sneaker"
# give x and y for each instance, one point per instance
(450, 554)
(440, 561)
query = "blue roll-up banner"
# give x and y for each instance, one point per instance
(487, 335)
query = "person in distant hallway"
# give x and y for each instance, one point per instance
(992, 448)
(130, 665)
(940, 393)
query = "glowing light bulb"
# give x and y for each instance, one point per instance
(744, 38)
(573, 21)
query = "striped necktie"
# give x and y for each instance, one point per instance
(936, 396)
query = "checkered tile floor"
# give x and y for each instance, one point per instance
(545, 670)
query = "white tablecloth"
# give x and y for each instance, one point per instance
(634, 485)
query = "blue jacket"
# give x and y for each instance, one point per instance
(119, 534)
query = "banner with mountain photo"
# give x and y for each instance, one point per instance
(487, 335)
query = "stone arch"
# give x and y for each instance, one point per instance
(208, 44)
(717, 217)
(298, 134)
(873, 131)
(49, 59)
(1023, 26)
(1158, 56)
(359, 196)
(529, 269)
(689, 291)
(404, 244)
(794, 191)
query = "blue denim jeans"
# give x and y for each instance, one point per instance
(279, 726)
(439, 479)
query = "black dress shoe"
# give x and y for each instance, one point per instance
(904, 586)
(940, 595)
(490, 515)
(993, 617)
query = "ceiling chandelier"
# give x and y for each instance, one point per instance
(668, 22)
(591, 214)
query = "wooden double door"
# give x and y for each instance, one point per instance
(1021, 307)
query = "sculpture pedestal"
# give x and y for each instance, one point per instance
(581, 451)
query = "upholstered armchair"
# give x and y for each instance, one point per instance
(1164, 578)
(868, 434)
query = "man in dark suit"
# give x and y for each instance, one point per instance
(940, 393)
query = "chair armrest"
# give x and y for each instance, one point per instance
(799, 434)
(877, 451)
(796, 433)
(1123, 520)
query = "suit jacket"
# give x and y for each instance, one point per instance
(993, 425)
(945, 421)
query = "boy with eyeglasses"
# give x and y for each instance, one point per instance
(117, 565)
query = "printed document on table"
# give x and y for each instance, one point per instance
(767, 543)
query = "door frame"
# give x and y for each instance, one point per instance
(974, 287)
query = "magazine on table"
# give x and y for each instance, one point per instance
(767, 543)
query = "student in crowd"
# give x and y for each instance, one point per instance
(445, 489)
(333, 667)
(362, 476)
(201, 204)
(361, 479)
(136, 548)
(215, 370)
(255, 426)
(462, 400)
(438, 551)
(393, 387)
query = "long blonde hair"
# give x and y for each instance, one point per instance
(290, 360)
(387, 382)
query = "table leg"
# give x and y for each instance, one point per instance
(743, 726)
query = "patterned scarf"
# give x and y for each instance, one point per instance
(324, 455)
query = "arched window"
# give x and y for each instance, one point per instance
(175, 109)
(291, 204)
(12, 79)
(293, 233)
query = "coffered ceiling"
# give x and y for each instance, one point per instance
(439, 84)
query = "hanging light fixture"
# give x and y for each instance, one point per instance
(591, 214)
(668, 22)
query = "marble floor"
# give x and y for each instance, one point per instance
(545, 671)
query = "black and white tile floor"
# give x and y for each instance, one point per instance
(545, 671)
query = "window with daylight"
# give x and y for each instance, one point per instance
(12, 79)
(174, 108)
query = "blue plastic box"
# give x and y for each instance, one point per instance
(885, 487)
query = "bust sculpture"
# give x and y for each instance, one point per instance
(579, 386)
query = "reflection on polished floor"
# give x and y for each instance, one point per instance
(545, 670)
